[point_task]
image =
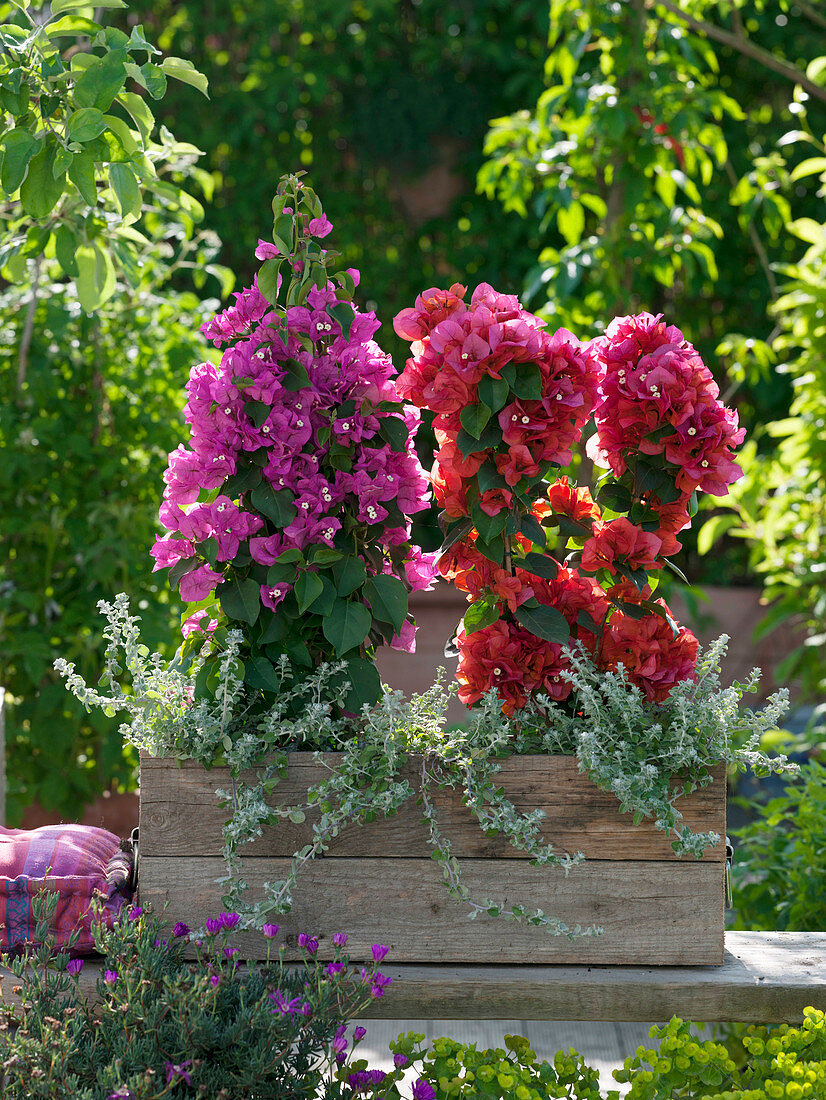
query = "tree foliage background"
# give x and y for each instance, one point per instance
(642, 155)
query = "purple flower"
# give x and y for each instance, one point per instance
(214, 926)
(286, 1008)
(307, 943)
(331, 969)
(400, 1060)
(181, 929)
(340, 1040)
(214, 980)
(358, 1034)
(270, 931)
(229, 920)
(74, 967)
(122, 1093)
(378, 985)
(379, 952)
(266, 251)
(364, 1080)
(230, 951)
(339, 939)
(320, 227)
(110, 976)
(135, 913)
(423, 1090)
(178, 1071)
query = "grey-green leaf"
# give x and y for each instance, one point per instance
(181, 69)
(85, 124)
(101, 81)
(82, 175)
(19, 147)
(40, 191)
(127, 191)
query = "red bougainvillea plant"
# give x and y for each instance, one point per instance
(546, 564)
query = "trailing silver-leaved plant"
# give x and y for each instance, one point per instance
(402, 749)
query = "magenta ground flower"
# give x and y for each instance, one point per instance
(423, 1090)
(379, 984)
(214, 926)
(110, 976)
(270, 931)
(74, 966)
(339, 939)
(340, 1040)
(229, 920)
(180, 929)
(214, 980)
(379, 952)
(135, 912)
(307, 943)
(178, 1071)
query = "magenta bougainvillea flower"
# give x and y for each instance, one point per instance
(288, 514)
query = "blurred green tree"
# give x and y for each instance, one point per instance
(656, 164)
(96, 221)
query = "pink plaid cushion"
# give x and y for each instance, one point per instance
(76, 861)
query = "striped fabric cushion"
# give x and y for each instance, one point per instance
(76, 861)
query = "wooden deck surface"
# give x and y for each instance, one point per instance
(767, 977)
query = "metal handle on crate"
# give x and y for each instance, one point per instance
(729, 861)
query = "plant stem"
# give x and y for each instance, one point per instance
(744, 46)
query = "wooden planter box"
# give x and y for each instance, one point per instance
(378, 883)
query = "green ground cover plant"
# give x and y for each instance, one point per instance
(163, 1023)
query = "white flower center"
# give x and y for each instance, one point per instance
(692, 431)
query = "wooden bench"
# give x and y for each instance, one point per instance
(767, 978)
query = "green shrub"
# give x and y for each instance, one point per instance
(784, 1061)
(780, 865)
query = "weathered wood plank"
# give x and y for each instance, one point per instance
(579, 816)
(766, 977)
(653, 912)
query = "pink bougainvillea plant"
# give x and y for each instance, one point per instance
(287, 515)
(546, 565)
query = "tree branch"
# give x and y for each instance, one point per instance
(28, 326)
(754, 237)
(743, 46)
(811, 13)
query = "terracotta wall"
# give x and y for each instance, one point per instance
(734, 611)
